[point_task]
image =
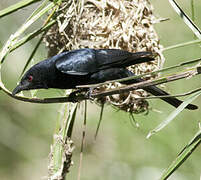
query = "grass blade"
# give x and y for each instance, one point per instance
(83, 140)
(32, 55)
(197, 41)
(192, 10)
(40, 40)
(100, 120)
(23, 40)
(145, 74)
(173, 114)
(33, 19)
(16, 6)
(133, 121)
(71, 120)
(13, 41)
(186, 19)
(41, 6)
(61, 150)
(183, 155)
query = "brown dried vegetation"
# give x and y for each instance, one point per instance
(121, 24)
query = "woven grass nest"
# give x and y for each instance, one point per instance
(120, 24)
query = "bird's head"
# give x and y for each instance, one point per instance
(32, 79)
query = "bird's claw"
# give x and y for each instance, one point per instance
(73, 96)
(89, 94)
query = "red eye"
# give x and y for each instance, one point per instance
(30, 78)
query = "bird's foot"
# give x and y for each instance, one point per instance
(89, 94)
(73, 96)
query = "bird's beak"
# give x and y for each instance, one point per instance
(18, 89)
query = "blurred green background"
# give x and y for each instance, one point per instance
(121, 151)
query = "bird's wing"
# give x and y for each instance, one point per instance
(77, 62)
(85, 61)
(108, 58)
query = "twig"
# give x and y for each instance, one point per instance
(80, 97)
(193, 61)
(176, 95)
(147, 83)
(45, 100)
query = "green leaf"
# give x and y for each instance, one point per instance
(13, 41)
(174, 114)
(64, 130)
(100, 120)
(17, 6)
(183, 155)
(32, 55)
(186, 19)
(192, 10)
(71, 120)
(20, 42)
(198, 41)
(145, 74)
(38, 9)
(33, 19)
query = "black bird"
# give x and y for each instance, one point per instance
(88, 66)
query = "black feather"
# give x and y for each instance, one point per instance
(86, 61)
(88, 66)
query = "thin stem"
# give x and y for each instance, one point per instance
(143, 75)
(182, 44)
(183, 155)
(100, 120)
(16, 6)
(140, 85)
(32, 54)
(177, 95)
(40, 40)
(186, 19)
(192, 10)
(144, 84)
(83, 140)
